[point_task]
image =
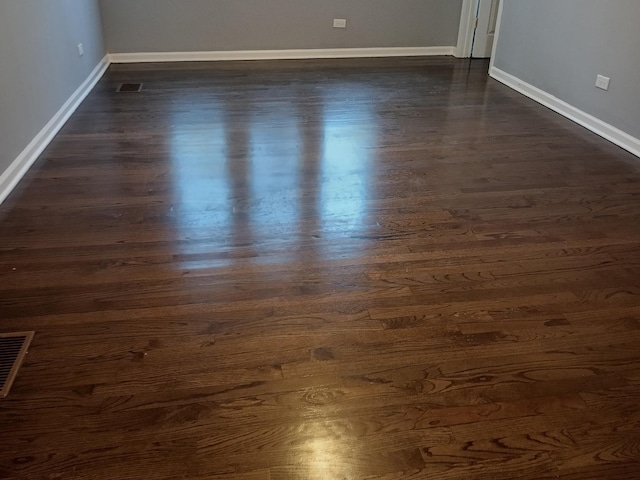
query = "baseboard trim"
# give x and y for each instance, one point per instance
(597, 126)
(152, 57)
(20, 166)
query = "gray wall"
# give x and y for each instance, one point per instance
(222, 25)
(39, 64)
(560, 46)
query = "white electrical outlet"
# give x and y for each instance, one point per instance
(339, 23)
(80, 50)
(603, 82)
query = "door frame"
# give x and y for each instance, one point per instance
(492, 60)
(468, 28)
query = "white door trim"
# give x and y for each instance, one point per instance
(495, 38)
(467, 28)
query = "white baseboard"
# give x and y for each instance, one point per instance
(278, 54)
(597, 126)
(19, 167)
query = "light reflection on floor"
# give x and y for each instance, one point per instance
(255, 196)
(348, 146)
(199, 156)
(274, 171)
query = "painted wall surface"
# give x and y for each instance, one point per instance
(226, 25)
(560, 46)
(39, 64)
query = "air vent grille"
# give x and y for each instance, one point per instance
(130, 88)
(13, 348)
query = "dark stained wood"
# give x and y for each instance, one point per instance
(342, 269)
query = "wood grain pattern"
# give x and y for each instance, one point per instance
(339, 269)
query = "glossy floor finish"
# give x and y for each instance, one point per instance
(340, 269)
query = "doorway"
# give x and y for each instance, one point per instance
(478, 27)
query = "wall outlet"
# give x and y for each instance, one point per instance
(339, 23)
(603, 82)
(80, 50)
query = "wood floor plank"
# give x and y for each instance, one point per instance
(536, 466)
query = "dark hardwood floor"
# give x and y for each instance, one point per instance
(341, 269)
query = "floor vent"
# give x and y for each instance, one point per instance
(13, 348)
(130, 88)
